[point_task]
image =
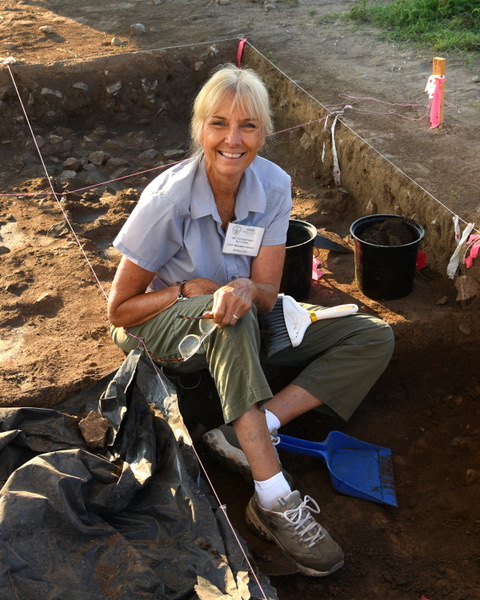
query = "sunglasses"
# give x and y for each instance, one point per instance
(191, 343)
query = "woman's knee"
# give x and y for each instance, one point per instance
(385, 334)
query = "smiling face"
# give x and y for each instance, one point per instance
(231, 138)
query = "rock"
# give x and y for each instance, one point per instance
(472, 476)
(68, 174)
(94, 429)
(114, 88)
(121, 172)
(306, 140)
(47, 304)
(99, 158)
(116, 42)
(47, 91)
(58, 230)
(114, 146)
(46, 29)
(79, 85)
(457, 399)
(54, 140)
(463, 442)
(113, 164)
(63, 131)
(72, 163)
(137, 29)
(174, 153)
(148, 155)
(465, 329)
(15, 288)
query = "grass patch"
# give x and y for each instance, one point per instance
(443, 25)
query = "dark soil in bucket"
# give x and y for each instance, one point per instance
(391, 232)
(298, 233)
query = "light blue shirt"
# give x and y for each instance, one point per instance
(175, 229)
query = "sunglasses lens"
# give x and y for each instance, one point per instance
(192, 343)
(189, 345)
(207, 326)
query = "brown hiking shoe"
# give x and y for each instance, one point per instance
(291, 525)
(224, 446)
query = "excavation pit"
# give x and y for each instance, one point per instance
(104, 129)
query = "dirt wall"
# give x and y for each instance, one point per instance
(373, 183)
(144, 87)
(128, 87)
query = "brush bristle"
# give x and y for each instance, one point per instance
(278, 337)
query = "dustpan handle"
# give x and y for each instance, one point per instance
(299, 446)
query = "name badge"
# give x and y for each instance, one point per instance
(243, 239)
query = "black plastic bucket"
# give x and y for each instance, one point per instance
(385, 272)
(297, 270)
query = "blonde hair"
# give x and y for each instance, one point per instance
(242, 87)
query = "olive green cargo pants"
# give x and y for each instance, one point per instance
(339, 359)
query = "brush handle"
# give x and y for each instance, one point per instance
(341, 310)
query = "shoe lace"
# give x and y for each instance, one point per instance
(304, 523)
(274, 437)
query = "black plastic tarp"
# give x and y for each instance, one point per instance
(131, 521)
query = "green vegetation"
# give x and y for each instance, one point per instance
(443, 25)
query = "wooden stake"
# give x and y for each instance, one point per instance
(439, 70)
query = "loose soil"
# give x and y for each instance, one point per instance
(425, 407)
(391, 232)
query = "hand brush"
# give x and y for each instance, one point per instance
(287, 323)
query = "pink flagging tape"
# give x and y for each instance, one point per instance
(241, 45)
(435, 105)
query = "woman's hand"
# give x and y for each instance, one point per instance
(232, 301)
(200, 287)
(235, 299)
(129, 305)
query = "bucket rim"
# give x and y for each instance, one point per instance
(384, 216)
(312, 229)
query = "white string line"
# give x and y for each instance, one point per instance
(429, 194)
(221, 505)
(359, 136)
(147, 51)
(50, 182)
(296, 126)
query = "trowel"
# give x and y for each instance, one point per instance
(324, 241)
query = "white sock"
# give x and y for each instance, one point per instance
(270, 490)
(272, 421)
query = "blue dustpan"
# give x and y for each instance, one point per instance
(356, 468)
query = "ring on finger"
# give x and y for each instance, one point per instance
(235, 317)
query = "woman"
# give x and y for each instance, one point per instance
(208, 238)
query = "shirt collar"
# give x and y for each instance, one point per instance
(250, 197)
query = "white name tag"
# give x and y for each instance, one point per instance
(243, 239)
